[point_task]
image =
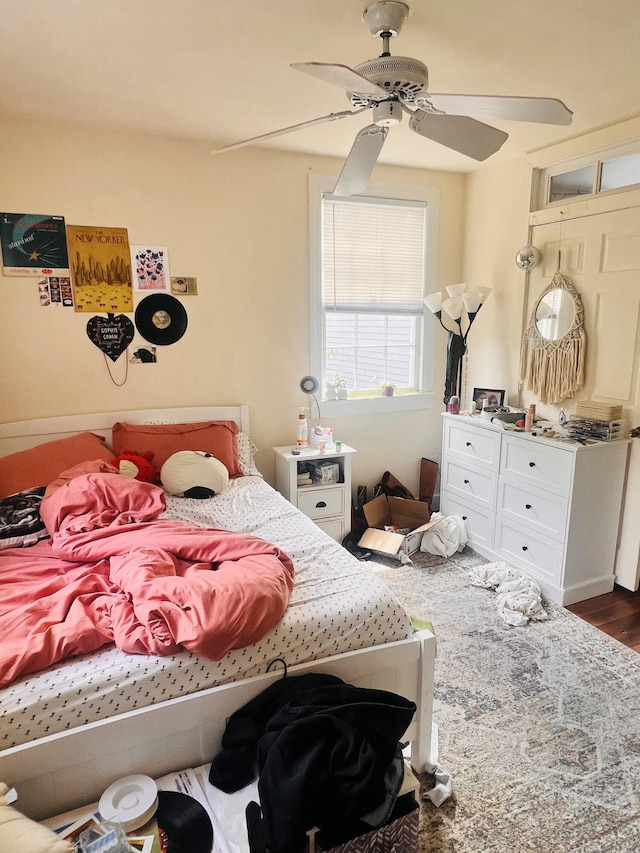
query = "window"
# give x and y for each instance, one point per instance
(372, 263)
(604, 171)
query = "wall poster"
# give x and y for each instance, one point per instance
(150, 266)
(100, 263)
(33, 244)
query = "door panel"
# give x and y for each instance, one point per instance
(600, 253)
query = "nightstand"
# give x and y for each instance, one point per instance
(328, 505)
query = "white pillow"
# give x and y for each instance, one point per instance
(246, 449)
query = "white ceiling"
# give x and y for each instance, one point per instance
(219, 71)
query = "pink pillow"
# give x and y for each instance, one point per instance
(40, 465)
(215, 437)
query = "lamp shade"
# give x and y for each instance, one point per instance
(484, 293)
(454, 307)
(472, 301)
(433, 301)
(456, 289)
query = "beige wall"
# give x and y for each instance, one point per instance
(238, 223)
(497, 216)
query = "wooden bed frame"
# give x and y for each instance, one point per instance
(63, 771)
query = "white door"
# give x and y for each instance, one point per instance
(600, 253)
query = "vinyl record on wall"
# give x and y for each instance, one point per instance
(161, 319)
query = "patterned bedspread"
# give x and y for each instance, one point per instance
(336, 606)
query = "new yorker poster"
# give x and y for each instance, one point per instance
(100, 263)
(33, 244)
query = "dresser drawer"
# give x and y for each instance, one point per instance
(478, 522)
(470, 443)
(537, 464)
(538, 554)
(468, 483)
(321, 503)
(543, 511)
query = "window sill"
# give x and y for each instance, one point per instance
(376, 405)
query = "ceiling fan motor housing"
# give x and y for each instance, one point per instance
(401, 76)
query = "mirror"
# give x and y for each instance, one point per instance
(554, 314)
(553, 347)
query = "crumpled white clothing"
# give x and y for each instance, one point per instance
(446, 537)
(519, 598)
(443, 788)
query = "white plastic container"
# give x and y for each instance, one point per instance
(303, 429)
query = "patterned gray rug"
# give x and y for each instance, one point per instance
(539, 726)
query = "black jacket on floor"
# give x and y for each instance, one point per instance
(320, 748)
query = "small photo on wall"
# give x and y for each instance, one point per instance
(184, 285)
(150, 268)
(142, 352)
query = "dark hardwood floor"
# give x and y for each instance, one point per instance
(617, 613)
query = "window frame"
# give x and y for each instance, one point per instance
(320, 186)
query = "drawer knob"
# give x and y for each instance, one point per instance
(532, 464)
(464, 517)
(527, 506)
(321, 504)
(468, 443)
(466, 482)
(525, 548)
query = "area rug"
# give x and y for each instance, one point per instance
(538, 725)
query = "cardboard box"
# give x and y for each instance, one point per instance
(385, 511)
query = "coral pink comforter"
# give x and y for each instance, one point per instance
(113, 572)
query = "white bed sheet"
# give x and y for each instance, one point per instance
(337, 606)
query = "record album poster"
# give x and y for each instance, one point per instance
(100, 263)
(33, 244)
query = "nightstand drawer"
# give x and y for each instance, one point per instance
(333, 526)
(321, 503)
(543, 511)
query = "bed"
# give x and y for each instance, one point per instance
(69, 731)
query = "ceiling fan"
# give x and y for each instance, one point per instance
(390, 85)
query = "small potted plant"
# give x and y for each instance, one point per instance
(387, 389)
(341, 387)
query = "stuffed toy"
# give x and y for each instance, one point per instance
(136, 465)
(23, 835)
(194, 474)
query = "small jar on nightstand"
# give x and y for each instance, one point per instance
(319, 484)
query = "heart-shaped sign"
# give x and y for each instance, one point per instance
(111, 334)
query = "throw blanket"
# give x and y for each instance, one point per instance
(519, 598)
(114, 572)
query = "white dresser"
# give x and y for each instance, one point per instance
(548, 507)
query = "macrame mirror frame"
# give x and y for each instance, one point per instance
(555, 370)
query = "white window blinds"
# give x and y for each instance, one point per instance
(373, 255)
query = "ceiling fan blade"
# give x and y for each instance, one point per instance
(363, 156)
(341, 75)
(460, 133)
(542, 110)
(290, 129)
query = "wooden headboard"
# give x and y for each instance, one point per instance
(22, 435)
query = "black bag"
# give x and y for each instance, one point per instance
(392, 487)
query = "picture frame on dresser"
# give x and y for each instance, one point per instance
(488, 397)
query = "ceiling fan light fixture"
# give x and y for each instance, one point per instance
(387, 114)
